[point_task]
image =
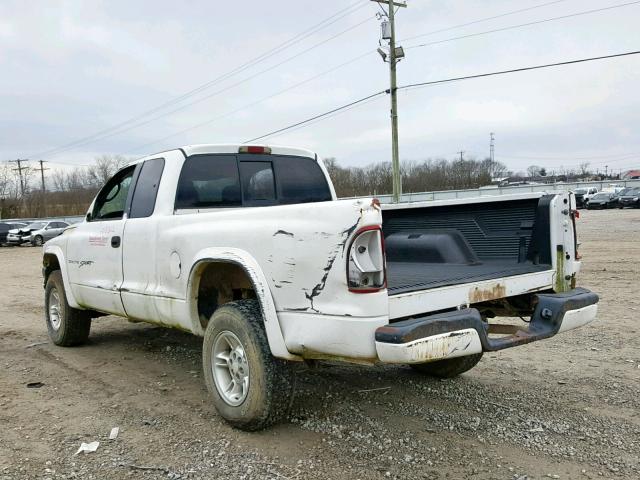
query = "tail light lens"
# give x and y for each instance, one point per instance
(366, 271)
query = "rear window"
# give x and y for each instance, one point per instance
(258, 185)
(301, 180)
(208, 181)
(211, 181)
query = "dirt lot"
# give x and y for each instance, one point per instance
(564, 408)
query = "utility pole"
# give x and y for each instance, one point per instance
(395, 54)
(20, 169)
(606, 170)
(491, 147)
(44, 203)
(461, 152)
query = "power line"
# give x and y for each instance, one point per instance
(435, 82)
(348, 62)
(562, 17)
(515, 70)
(252, 104)
(117, 129)
(485, 19)
(260, 58)
(316, 117)
(95, 136)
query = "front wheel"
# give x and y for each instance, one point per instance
(251, 389)
(67, 326)
(449, 368)
(38, 241)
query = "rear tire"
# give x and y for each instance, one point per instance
(449, 368)
(67, 326)
(251, 389)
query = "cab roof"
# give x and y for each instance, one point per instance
(210, 148)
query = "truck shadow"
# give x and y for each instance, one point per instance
(323, 389)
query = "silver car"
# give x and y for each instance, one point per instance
(47, 232)
(36, 233)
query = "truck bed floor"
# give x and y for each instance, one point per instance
(404, 277)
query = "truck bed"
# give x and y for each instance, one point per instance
(404, 277)
(437, 246)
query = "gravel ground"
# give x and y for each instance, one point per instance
(562, 408)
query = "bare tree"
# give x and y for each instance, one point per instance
(104, 168)
(533, 170)
(584, 169)
(417, 176)
(7, 183)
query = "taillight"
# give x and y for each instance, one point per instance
(366, 268)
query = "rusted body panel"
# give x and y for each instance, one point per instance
(437, 347)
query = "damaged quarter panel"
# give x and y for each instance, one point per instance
(301, 250)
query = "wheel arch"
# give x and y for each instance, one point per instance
(254, 275)
(53, 259)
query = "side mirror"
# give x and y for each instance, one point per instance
(88, 216)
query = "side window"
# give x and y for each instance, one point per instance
(146, 189)
(208, 181)
(257, 182)
(111, 200)
(300, 180)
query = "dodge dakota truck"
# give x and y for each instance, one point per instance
(249, 248)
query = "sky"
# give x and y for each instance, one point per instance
(72, 69)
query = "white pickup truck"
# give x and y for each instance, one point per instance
(248, 247)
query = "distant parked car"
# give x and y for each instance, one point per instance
(602, 200)
(583, 195)
(18, 236)
(630, 197)
(5, 227)
(51, 230)
(36, 233)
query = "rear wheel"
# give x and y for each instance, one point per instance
(451, 367)
(251, 389)
(67, 326)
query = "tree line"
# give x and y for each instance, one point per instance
(417, 176)
(69, 192)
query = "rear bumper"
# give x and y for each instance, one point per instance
(462, 332)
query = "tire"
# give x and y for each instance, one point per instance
(38, 241)
(449, 368)
(67, 326)
(267, 395)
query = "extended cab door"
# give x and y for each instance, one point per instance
(94, 248)
(139, 251)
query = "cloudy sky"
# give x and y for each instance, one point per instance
(93, 70)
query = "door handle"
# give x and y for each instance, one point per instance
(115, 241)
